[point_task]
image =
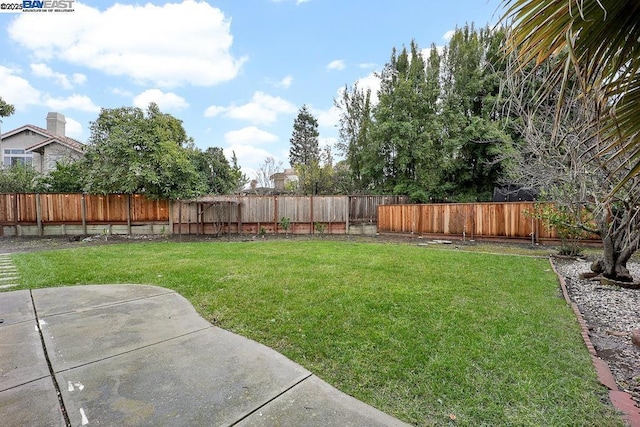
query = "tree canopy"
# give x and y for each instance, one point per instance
(436, 133)
(596, 42)
(6, 109)
(133, 151)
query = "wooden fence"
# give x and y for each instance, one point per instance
(467, 220)
(263, 214)
(76, 214)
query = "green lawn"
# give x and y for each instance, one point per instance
(419, 333)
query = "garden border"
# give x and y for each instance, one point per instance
(621, 400)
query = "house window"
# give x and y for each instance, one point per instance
(16, 157)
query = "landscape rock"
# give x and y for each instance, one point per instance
(635, 337)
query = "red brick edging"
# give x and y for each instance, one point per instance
(620, 399)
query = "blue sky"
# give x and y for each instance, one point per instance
(234, 71)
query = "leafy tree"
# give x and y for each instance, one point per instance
(304, 139)
(437, 133)
(561, 156)
(6, 110)
(133, 152)
(355, 125)
(475, 134)
(238, 178)
(19, 179)
(67, 177)
(218, 175)
(401, 132)
(596, 42)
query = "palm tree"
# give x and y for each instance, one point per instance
(598, 44)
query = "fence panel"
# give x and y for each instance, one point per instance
(61, 208)
(145, 210)
(503, 220)
(8, 208)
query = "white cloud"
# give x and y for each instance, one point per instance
(367, 65)
(79, 78)
(214, 110)
(249, 135)
(73, 128)
(121, 92)
(249, 157)
(166, 101)
(263, 109)
(337, 64)
(371, 82)
(170, 45)
(286, 82)
(43, 70)
(447, 36)
(75, 101)
(18, 91)
(327, 118)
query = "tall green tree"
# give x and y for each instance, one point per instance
(133, 151)
(304, 148)
(355, 126)
(218, 175)
(596, 42)
(304, 154)
(396, 159)
(475, 136)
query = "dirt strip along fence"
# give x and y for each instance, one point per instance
(509, 220)
(86, 214)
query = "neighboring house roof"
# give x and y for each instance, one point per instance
(50, 139)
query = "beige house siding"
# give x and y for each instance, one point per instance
(53, 154)
(45, 147)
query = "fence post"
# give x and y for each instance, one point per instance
(311, 226)
(275, 214)
(170, 214)
(129, 214)
(39, 214)
(347, 214)
(83, 209)
(239, 214)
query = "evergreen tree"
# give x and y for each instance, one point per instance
(396, 158)
(304, 139)
(476, 138)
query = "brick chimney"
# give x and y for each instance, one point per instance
(56, 124)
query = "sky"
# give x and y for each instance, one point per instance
(236, 72)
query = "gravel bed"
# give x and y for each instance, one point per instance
(611, 314)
